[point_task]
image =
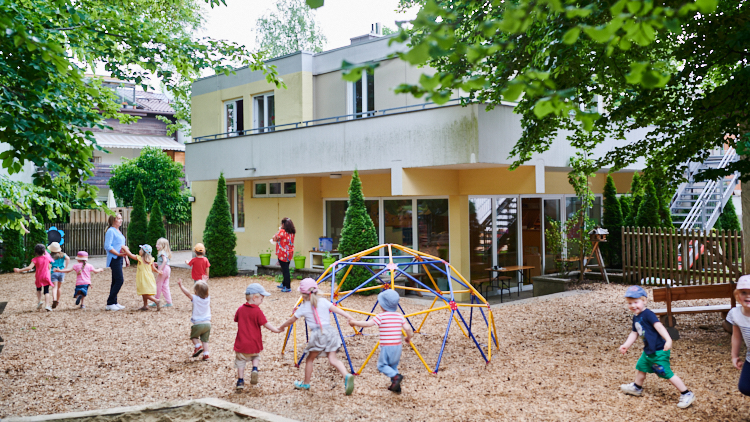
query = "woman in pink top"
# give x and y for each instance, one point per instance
(43, 280)
(83, 276)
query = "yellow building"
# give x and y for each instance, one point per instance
(436, 179)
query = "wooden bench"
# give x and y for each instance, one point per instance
(709, 291)
(478, 282)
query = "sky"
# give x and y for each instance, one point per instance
(339, 20)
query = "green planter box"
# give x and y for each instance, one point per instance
(328, 262)
(265, 259)
(299, 262)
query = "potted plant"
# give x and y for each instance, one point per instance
(299, 260)
(328, 260)
(265, 257)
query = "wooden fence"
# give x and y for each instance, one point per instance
(98, 216)
(89, 237)
(657, 256)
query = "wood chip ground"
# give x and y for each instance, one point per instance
(557, 360)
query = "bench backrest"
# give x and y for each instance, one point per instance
(709, 291)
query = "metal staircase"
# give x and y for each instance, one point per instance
(697, 205)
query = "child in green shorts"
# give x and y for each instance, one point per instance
(201, 318)
(656, 348)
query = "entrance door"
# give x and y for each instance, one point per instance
(551, 252)
(532, 222)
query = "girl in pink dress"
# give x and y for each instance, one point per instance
(43, 280)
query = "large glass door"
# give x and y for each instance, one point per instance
(551, 216)
(531, 227)
(397, 222)
(506, 222)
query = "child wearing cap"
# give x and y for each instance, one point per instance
(390, 323)
(249, 340)
(61, 260)
(83, 276)
(656, 348)
(199, 264)
(145, 283)
(200, 331)
(739, 317)
(323, 337)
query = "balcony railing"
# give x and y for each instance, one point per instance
(329, 120)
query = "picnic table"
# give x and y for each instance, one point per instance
(503, 282)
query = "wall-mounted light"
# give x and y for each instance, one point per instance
(250, 169)
(335, 176)
(191, 199)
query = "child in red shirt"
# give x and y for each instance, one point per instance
(249, 341)
(199, 264)
(42, 276)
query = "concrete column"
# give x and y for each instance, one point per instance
(460, 255)
(397, 176)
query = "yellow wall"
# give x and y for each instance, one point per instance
(372, 185)
(623, 181)
(430, 182)
(294, 104)
(458, 209)
(556, 182)
(497, 181)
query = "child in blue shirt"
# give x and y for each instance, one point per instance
(656, 348)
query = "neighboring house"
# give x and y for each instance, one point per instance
(127, 140)
(435, 179)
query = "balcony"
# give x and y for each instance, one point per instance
(449, 136)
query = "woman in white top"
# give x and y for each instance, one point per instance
(324, 337)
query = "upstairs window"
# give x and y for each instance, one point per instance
(233, 117)
(362, 95)
(264, 113)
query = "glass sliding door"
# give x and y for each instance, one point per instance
(432, 220)
(506, 221)
(551, 215)
(335, 213)
(397, 222)
(480, 237)
(531, 227)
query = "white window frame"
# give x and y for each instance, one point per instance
(224, 113)
(268, 188)
(236, 202)
(265, 112)
(350, 105)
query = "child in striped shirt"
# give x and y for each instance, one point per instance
(390, 323)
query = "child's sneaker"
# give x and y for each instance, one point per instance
(78, 299)
(254, 377)
(633, 390)
(83, 306)
(349, 384)
(686, 400)
(152, 305)
(300, 386)
(197, 351)
(167, 305)
(40, 305)
(396, 383)
(48, 309)
(205, 356)
(240, 384)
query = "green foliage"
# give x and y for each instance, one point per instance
(219, 236)
(636, 196)
(160, 178)
(612, 221)
(357, 234)
(648, 211)
(48, 104)
(292, 27)
(728, 219)
(138, 226)
(653, 66)
(626, 203)
(13, 251)
(19, 201)
(155, 226)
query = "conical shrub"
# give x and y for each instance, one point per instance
(155, 225)
(138, 226)
(219, 236)
(648, 212)
(612, 221)
(358, 233)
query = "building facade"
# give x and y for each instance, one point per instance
(436, 178)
